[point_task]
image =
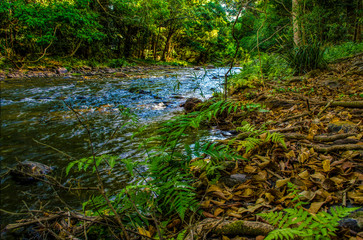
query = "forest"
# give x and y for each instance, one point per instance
(181, 119)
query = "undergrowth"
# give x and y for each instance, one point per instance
(347, 49)
(306, 58)
(164, 185)
(298, 222)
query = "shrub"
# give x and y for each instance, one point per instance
(273, 67)
(306, 58)
(343, 50)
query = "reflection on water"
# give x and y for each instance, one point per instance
(37, 109)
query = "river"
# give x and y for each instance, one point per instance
(35, 110)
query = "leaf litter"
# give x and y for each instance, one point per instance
(320, 117)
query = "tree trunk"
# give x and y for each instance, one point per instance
(295, 22)
(156, 45)
(167, 44)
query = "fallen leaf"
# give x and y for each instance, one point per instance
(282, 182)
(304, 175)
(208, 215)
(326, 165)
(315, 206)
(218, 211)
(144, 232)
(307, 195)
(250, 169)
(290, 155)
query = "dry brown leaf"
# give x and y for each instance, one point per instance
(218, 211)
(208, 215)
(233, 214)
(218, 203)
(205, 204)
(282, 182)
(214, 188)
(337, 180)
(174, 223)
(315, 206)
(307, 195)
(304, 175)
(290, 154)
(144, 232)
(263, 136)
(250, 169)
(261, 176)
(269, 197)
(326, 165)
(304, 155)
(357, 197)
(221, 195)
(319, 176)
(247, 193)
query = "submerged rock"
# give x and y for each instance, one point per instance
(190, 104)
(30, 171)
(61, 70)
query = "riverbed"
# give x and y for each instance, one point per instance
(38, 123)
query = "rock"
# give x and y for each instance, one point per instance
(210, 66)
(177, 97)
(14, 75)
(197, 68)
(345, 126)
(61, 70)
(121, 74)
(109, 70)
(29, 171)
(354, 221)
(235, 179)
(190, 104)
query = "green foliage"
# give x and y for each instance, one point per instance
(347, 49)
(172, 131)
(254, 139)
(218, 155)
(293, 222)
(273, 67)
(299, 222)
(306, 58)
(35, 26)
(118, 63)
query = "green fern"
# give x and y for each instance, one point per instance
(253, 139)
(297, 221)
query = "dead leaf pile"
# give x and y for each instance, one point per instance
(320, 117)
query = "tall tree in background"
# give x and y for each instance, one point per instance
(295, 22)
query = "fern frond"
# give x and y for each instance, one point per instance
(284, 233)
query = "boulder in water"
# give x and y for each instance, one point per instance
(190, 104)
(30, 171)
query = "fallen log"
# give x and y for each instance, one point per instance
(230, 228)
(319, 138)
(241, 227)
(334, 148)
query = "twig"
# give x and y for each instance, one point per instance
(44, 144)
(326, 106)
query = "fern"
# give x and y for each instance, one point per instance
(253, 140)
(297, 221)
(284, 233)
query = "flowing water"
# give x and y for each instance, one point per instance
(36, 110)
